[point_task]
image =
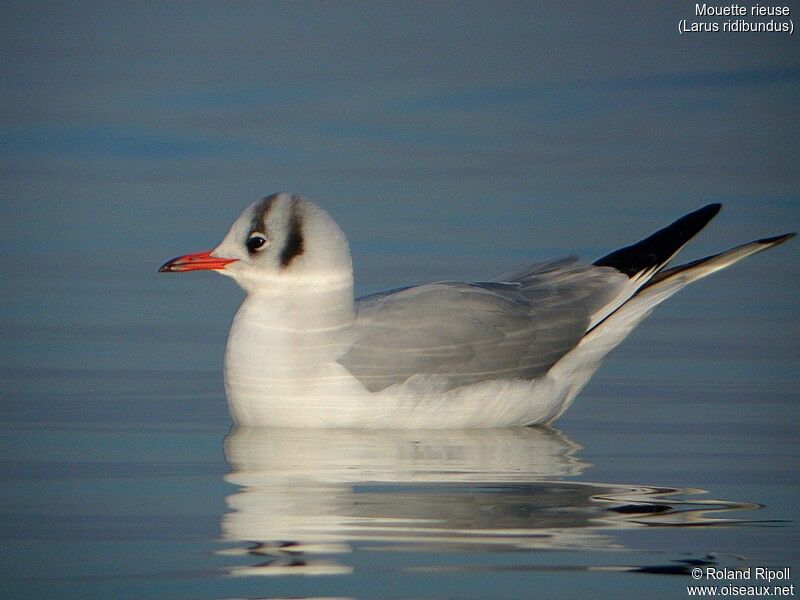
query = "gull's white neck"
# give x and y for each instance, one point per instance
(285, 340)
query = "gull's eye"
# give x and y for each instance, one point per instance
(256, 241)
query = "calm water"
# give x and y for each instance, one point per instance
(122, 478)
(450, 141)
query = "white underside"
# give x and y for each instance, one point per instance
(418, 403)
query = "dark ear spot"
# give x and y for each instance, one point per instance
(294, 239)
(259, 222)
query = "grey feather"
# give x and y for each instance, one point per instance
(465, 333)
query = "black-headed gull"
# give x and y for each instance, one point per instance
(514, 351)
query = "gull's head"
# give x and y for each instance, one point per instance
(280, 239)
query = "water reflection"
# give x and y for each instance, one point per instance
(307, 494)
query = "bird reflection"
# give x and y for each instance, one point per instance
(306, 496)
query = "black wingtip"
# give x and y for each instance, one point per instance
(694, 221)
(775, 240)
(654, 251)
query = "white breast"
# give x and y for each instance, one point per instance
(280, 360)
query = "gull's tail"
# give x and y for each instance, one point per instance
(705, 266)
(641, 261)
(581, 362)
(666, 282)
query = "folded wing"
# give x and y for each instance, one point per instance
(465, 333)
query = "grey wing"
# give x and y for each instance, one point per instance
(472, 332)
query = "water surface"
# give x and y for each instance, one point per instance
(449, 143)
(122, 477)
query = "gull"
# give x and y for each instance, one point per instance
(302, 352)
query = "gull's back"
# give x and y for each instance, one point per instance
(465, 333)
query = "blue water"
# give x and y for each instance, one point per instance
(450, 141)
(121, 476)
